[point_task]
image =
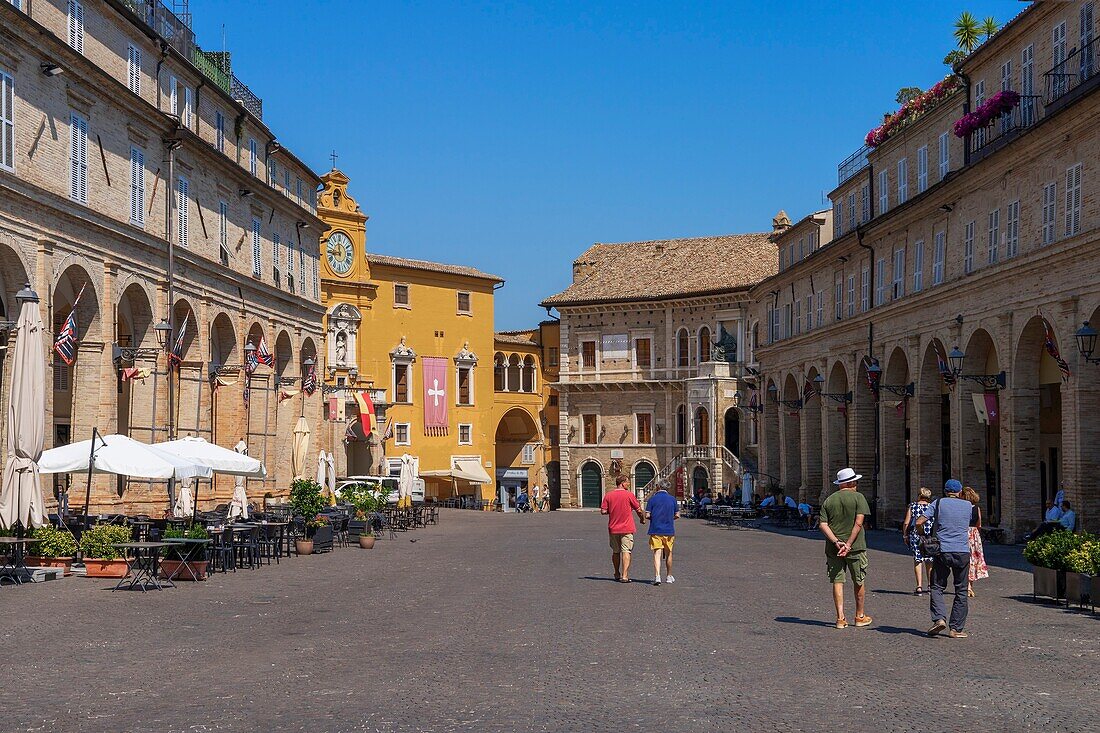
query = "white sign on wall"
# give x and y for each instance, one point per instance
(616, 346)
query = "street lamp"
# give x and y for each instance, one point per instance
(1086, 343)
(249, 351)
(987, 381)
(841, 397)
(163, 330)
(956, 358)
(773, 392)
(874, 374)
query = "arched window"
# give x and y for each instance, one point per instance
(683, 348)
(681, 425)
(513, 373)
(528, 374)
(704, 344)
(702, 426)
(499, 377)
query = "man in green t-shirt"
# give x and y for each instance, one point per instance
(842, 517)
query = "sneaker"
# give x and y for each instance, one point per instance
(657, 580)
(937, 628)
(670, 579)
(863, 620)
(841, 623)
(958, 634)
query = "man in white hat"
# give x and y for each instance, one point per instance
(842, 517)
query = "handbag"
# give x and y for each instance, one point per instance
(929, 544)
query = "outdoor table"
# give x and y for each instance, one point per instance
(187, 555)
(15, 561)
(141, 528)
(145, 565)
(281, 541)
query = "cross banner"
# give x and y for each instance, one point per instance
(435, 395)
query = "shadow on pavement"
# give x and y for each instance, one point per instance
(898, 630)
(803, 621)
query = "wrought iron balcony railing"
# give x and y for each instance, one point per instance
(1007, 127)
(852, 165)
(1079, 67)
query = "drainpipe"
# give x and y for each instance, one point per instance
(871, 268)
(160, 63)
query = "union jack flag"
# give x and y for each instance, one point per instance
(309, 384)
(175, 357)
(263, 354)
(1052, 349)
(65, 343)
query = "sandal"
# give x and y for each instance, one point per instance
(919, 591)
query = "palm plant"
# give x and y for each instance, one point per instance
(967, 31)
(989, 27)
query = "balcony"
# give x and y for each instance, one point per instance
(1006, 128)
(1074, 77)
(174, 27)
(852, 165)
(245, 97)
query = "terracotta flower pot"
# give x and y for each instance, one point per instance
(37, 561)
(366, 541)
(176, 570)
(95, 568)
(303, 547)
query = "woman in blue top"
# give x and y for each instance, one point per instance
(922, 566)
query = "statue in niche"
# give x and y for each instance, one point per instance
(725, 348)
(341, 348)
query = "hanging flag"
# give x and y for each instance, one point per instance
(309, 384)
(131, 373)
(992, 411)
(65, 343)
(944, 367)
(1052, 349)
(247, 394)
(867, 363)
(250, 361)
(263, 354)
(809, 391)
(754, 399)
(175, 357)
(285, 393)
(367, 417)
(435, 395)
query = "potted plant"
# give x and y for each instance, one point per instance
(306, 501)
(185, 561)
(367, 497)
(1047, 555)
(55, 548)
(1082, 566)
(101, 558)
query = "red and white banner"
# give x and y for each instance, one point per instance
(435, 395)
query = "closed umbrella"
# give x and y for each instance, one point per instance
(238, 506)
(21, 497)
(330, 465)
(405, 481)
(299, 448)
(322, 469)
(184, 505)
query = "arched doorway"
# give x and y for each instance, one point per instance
(980, 454)
(224, 354)
(704, 345)
(732, 431)
(771, 430)
(553, 483)
(517, 456)
(896, 485)
(134, 330)
(591, 484)
(700, 481)
(643, 474)
(791, 438)
(681, 425)
(933, 406)
(702, 426)
(811, 438)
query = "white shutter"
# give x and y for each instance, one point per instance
(7, 121)
(1073, 200)
(78, 158)
(182, 205)
(188, 106)
(137, 186)
(173, 95)
(133, 68)
(76, 26)
(256, 247)
(301, 266)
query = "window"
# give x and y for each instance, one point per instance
(1006, 84)
(801, 249)
(286, 182)
(820, 308)
(922, 169)
(252, 155)
(401, 433)
(643, 356)
(465, 385)
(173, 95)
(903, 181)
(272, 172)
(1027, 85)
(137, 187)
(302, 266)
(899, 274)
(838, 220)
(937, 258)
(851, 295)
(78, 158)
(76, 26)
(786, 321)
(7, 121)
(17, 4)
(838, 300)
(401, 295)
(60, 376)
(465, 434)
(554, 435)
(994, 240)
(588, 355)
(883, 192)
(528, 457)
(464, 303)
(289, 265)
(797, 317)
(313, 198)
(133, 68)
(188, 107)
(790, 254)
(865, 205)
(276, 258)
(182, 205)
(813, 241)
(865, 288)
(683, 349)
(219, 131)
(590, 431)
(644, 423)
(1073, 200)
(1050, 203)
(552, 357)
(298, 190)
(945, 155)
(852, 210)
(255, 247)
(880, 281)
(979, 99)
(313, 259)
(401, 383)
(968, 249)
(223, 231)
(1012, 230)
(918, 266)
(809, 312)
(704, 344)
(1058, 56)
(1088, 53)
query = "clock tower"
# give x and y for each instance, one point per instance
(343, 245)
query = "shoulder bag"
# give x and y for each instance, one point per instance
(929, 544)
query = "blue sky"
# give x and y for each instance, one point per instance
(512, 135)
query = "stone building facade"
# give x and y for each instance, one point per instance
(980, 247)
(115, 140)
(653, 350)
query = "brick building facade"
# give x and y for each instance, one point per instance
(114, 140)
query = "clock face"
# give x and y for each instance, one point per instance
(340, 253)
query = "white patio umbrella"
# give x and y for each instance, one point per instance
(238, 505)
(185, 505)
(405, 480)
(21, 497)
(322, 469)
(214, 457)
(330, 466)
(122, 455)
(299, 448)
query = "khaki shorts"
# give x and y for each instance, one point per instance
(854, 564)
(622, 542)
(662, 542)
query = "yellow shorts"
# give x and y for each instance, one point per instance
(662, 542)
(622, 542)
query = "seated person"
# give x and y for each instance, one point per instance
(521, 501)
(1054, 512)
(722, 500)
(790, 502)
(806, 514)
(768, 502)
(1068, 520)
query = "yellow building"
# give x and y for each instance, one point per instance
(414, 334)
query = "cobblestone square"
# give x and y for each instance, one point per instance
(491, 622)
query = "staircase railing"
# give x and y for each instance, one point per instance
(731, 464)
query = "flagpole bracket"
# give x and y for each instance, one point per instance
(904, 391)
(128, 354)
(989, 382)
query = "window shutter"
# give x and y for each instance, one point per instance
(7, 121)
(182, 204)
(256, 247)
(137, 186)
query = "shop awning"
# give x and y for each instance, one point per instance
(463, 469)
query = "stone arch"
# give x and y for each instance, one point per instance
(700, 480)
(835, 423)
(134, 319)
(590, 482)
(134, 330)
(683, 348)
(223, 342)
(88, 317)
(703, 341)
(731, 430)
(642, 472)
(896, 490)
(861, 436)
(771, 429)
(702, 425)
(344, 320)
(980, 449)
(790, 439)
(183, 317)
(84, 379)
(500, 372)
(514, 370)
(255, 333)
(13, 276)
(933, 419)
(284, 354)
(528, 376)
(681, 424)
(811, 438)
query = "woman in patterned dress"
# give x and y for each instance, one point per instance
(978, 568)
(922, 566)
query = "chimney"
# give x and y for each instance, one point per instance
(780, 223)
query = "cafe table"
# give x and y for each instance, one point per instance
(144, 566)
(14, 563)
(191, 546)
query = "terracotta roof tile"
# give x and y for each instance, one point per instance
(391, 261)
(669, 268)
(523, 338)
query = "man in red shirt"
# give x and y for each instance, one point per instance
(618, 505)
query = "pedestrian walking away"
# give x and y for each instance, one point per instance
(951, 519)
(978, 567)
(922, 565)
(842, 518)
(620, 505)
(662, 512)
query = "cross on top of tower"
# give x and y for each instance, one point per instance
(334, 156)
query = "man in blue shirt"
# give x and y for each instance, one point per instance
(1068, 520)
(951, 517)
(662, 511)
(1054, 512)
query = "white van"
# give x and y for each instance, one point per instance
(390, 482)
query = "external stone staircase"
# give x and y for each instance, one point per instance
(725, 467)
